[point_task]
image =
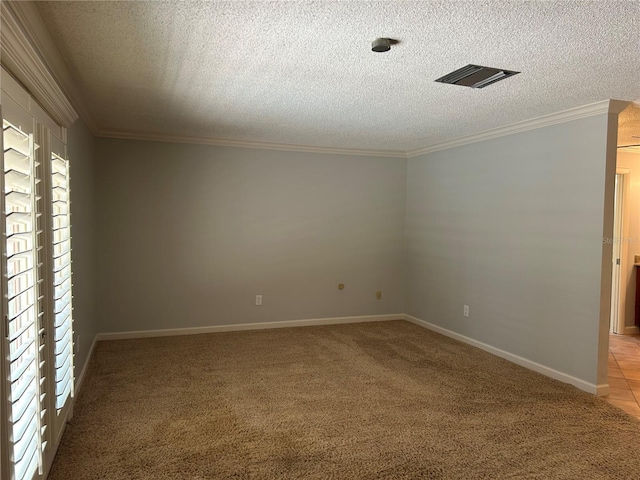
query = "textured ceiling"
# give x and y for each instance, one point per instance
(303, 72)
(629, 125)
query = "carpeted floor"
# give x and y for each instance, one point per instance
(387, 400)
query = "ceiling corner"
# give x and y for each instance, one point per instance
(617, 106)
(46, 73)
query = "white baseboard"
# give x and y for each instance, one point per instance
(601, 389)
(531, 365)
(80, 377)
(631, 330)
(171, 332)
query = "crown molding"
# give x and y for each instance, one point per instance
(29, 53)
(223, 142)
(598, 108)
(22, 59)
(603, 107)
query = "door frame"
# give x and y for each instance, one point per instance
(623, 281)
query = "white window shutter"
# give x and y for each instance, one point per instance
(62, 296)
(35, 286)
(23, 302)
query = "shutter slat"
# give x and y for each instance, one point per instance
(28, 466)
(17, 202)
(21, 285)
(62, 276)
(20, 382)
(62, 289)
(63, 332)
(15, 181)
(19, 324)
(15, 355)
(19, 332)
(19, 264)
(15, 139)
(15, 315)
(22, 426)
(15, 160)
(62, 304)
(61, 398)
(64, 372)
(62, 355)
(22, 404)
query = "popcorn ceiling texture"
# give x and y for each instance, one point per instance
(303, 72)
(629, 125)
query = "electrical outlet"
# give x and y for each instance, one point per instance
(258, 299)
(379, 295)
(466, 310)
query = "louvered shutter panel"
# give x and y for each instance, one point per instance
(62, 297)
(24, 303)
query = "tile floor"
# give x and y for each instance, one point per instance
(624, 373)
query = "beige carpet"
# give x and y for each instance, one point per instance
(385, 400)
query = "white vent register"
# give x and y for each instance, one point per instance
(476, 76)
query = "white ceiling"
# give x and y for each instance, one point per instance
(303, 72)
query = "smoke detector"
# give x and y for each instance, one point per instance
(476, 76)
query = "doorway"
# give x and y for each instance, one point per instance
(618, 285)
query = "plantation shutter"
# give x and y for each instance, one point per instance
(62, 298)
(23, 302)
(35, 270)
(35, 266)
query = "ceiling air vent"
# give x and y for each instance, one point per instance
(475, 76)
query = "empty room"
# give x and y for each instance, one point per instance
(320, 240)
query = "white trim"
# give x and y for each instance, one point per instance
(21, 56)
(624, 250)
(605, 106)
(600, 390)
(83, 372)
(225, 142)
(531, 365)
(631, 330)
(171, 332)
(39, 36)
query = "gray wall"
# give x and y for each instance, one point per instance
(80, 147)
(513, 228)
(189, 234)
